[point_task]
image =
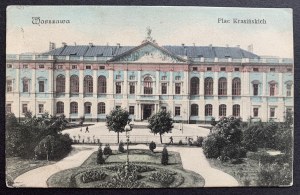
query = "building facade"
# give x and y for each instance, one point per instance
(194, 83)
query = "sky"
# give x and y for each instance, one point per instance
(102, 25)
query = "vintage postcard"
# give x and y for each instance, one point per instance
(149, 97)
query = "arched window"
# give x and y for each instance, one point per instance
(208, 86)
(88, 84)
(60, 83)
(87, 107)
(59, 108)
(236, 86)
(194, 86)
(148, 89)
(73, 107)
(194, 110)
(222, 110)
(208, 110)
(273, 88)
(222, 86)
(74, 84)
(101, 84)
(236, 110)
(101, 108)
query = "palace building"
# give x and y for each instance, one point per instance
(194, 83)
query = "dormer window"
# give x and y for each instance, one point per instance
(102, 67)
(272, 69)
(74, 67)
(208, 69)
(237, 69)
(88, 67)
(195, 69)
(223, 69)
(255, 70)
(41, 66)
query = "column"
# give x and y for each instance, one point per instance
(157, 82)
(215, 104)
(264, 84)
(67, 92)
(110, 83)
(202, 101)
(80, 99)
(33, 91)
(138, 87)
(50, 84)
(280, 85)
(95, 81)
(171, 84)
(186, 82)
(229, 84)
(216, 80)
(125, 90)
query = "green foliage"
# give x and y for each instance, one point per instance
(160, 123)
(100, 159)
(152, 146)
(107, 150)
(163, 177)
(198, 142)
(53, 147)
(164, 156)
(93, 175)
(121, 147)
(211, 145)
(117, 120)
(180, 142)
(213, 121)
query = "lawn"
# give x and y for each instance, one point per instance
(149, 165)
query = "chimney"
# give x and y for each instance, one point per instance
(118, 45)
(238, 46)
(91, 44)
(227, 45)
(250, 48)
(210, 46)
(182, 44)
(64, 44)
(194, 44)
(75, 43)
(51, 46)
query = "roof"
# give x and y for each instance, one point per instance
(189, 51)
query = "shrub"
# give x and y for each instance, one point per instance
(211, 147)
(232, 152)
(92, 175)
(199, 141)
(180, 142)
(152, 146)
(100, 159)
(164, 156)
(213, 121)
(107, 150)
(121, 147)
(164, 178)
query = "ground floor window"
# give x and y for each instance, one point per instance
(8, 108)
(208, 110)
(101, 108)
(87, 108)
(177, 111)
(131, 110)
(272, 112)
(255, 112)
(222, 110)
(74, 108)
(41, 108)
(194, 110)
(236, 110)
(59, 107)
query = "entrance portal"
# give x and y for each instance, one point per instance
(147, 111)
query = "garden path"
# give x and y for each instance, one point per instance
(192, 159)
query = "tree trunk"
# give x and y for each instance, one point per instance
(118, 137)
(160, 138)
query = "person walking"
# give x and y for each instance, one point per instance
(171, 140)
(87, 130)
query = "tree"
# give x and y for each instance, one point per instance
(152, 146)
(117, 120)
(160, 123)
(100, 159)
(121, 147)
(164, 156)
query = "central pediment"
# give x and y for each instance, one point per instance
(148, 53)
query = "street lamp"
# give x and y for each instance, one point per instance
(127, 129)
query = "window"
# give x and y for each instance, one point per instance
(60, 83)
(74, 84)
(208, 110)
(131, 88)
(236, 110)
(289, 70)
(41, 66)
(148, 85)
(131, 77)
(9, 86)
(118, 76)
(272, 112)
(194, 110)
(177, 88)
(222, 69)
(101, 85)
(272, 86)
(59, 108)
(272, 69)
(163, 78)
(102, 67)
(41, 86)
(194, 86)
(208, 86)
(222, 86)
(88, 84)
(222, 110)
(164, 88)
(101, 108)
(289, 90)
(88, 67)
(25, 85)
(255, 112)
(74, 107)
(87, 107)
(208, 69)
(195, 68)
(24, 108)
(9, 65)
(255, 70)
(163, 108)
(237, 69)
(41, 108)
(131, 110)
(118, 88)
(118, 107)
(8, 108)
(59, 66)
(236, 86)
(177, 111)
(74, 67)
(177, 78)
(25, 66)
(255, 89)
